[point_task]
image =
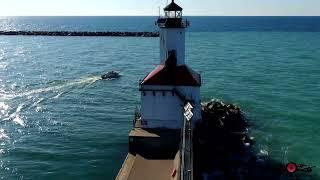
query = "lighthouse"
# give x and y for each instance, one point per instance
(172, 84)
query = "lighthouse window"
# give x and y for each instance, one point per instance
(144, 93)
(170, 14)
(173, 14)
(172, 93)
(178, 14)
(154, 93)
(163, 93)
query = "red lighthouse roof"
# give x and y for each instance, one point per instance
(176, 76)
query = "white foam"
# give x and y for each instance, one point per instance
(19, 120)
(84, 81)
(3, 135)
(3, 65)
(16, 116)
(2, 151)
(4, 108)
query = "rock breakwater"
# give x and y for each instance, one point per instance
(80, 33)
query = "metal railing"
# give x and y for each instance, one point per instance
(186, 156)
(163, 22)
(137, 116)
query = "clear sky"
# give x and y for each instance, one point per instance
(150, 7)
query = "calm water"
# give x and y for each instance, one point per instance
(58, 121)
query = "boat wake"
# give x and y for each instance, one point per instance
(34, 97)
(59, 88)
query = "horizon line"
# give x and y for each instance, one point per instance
(158, 16)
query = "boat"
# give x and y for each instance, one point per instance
(111, 75)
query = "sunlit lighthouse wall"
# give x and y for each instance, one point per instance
(171, 84)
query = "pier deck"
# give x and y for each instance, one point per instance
(138, 167)
(139, 132)
(153, 154)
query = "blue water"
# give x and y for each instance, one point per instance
(146, 23)
(58, 121)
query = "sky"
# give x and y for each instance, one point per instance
(151, 7)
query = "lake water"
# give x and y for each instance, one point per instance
(59, 121)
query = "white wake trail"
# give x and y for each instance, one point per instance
(68, 85)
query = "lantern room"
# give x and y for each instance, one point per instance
(172, 17)
(173, 11)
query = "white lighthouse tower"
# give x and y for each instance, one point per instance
(172, 84)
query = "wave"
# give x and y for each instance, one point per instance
(30, 101)
(66, 85)
(16, 117)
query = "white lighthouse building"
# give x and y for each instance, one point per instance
(172, 84)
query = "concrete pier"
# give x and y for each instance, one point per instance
(153, 143)
(153, 154)
(80, 33)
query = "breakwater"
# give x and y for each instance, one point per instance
(80, 33)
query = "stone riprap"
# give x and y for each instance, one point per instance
(81, 33)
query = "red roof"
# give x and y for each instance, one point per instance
(177, 76)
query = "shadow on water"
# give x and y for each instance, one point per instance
(223, 149)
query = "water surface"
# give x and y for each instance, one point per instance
(59, 121)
